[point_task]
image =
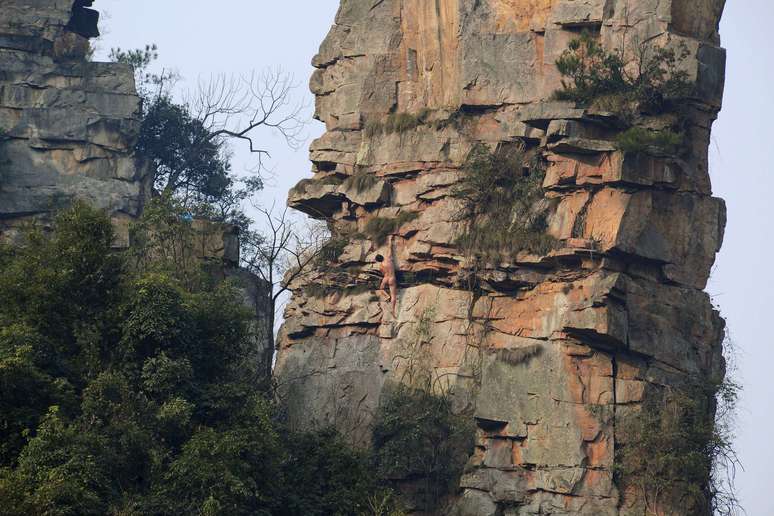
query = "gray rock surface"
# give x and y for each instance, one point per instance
(67, 125)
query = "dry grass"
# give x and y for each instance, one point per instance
(379, 228)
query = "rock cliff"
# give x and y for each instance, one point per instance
(545, 350)
(67, 125)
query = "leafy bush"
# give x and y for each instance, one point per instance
(672, 447)
(638, 140)
(379, 228)
(649, 76)
(503, 202)
(417, 437)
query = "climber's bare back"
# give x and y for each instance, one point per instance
(389, 279)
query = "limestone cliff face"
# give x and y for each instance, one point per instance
(67, 125)
(614, 313)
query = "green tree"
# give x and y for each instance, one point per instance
(186, 160)
(107, 371)
(129, 390)
(325, 477)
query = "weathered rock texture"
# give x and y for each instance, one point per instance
(555, 348)
(67, 125)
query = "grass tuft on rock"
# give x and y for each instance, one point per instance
(640, 140)
(379, 228)
(331, 251)
(360, 182)
(322, 290)
(397, 123)
(503, 204)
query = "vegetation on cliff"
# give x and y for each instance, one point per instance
(186, 145)
(640, 73)
(503, 204)
(379, 228)
(677, 449)
(418, 438)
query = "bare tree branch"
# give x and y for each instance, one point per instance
(283, 254)
(238, 107)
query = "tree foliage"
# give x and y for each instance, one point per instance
(185, 158)
(185, 144)
(125, 391)
(417, 437)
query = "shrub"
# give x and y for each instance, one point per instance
(503, 202)
(638, 140)
(379, 228)
(671, 448)
(418, 437)
(650, 77)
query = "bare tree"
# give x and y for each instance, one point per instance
(283, 255)
(238, 107)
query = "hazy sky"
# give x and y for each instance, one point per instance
(198, 37)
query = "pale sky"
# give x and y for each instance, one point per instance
(198, 38)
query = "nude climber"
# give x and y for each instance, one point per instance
(390, 280)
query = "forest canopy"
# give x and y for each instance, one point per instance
(135, 390)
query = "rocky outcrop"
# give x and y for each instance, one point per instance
(547, 351)
(67, 125)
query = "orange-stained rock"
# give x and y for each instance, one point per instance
(545, 353)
